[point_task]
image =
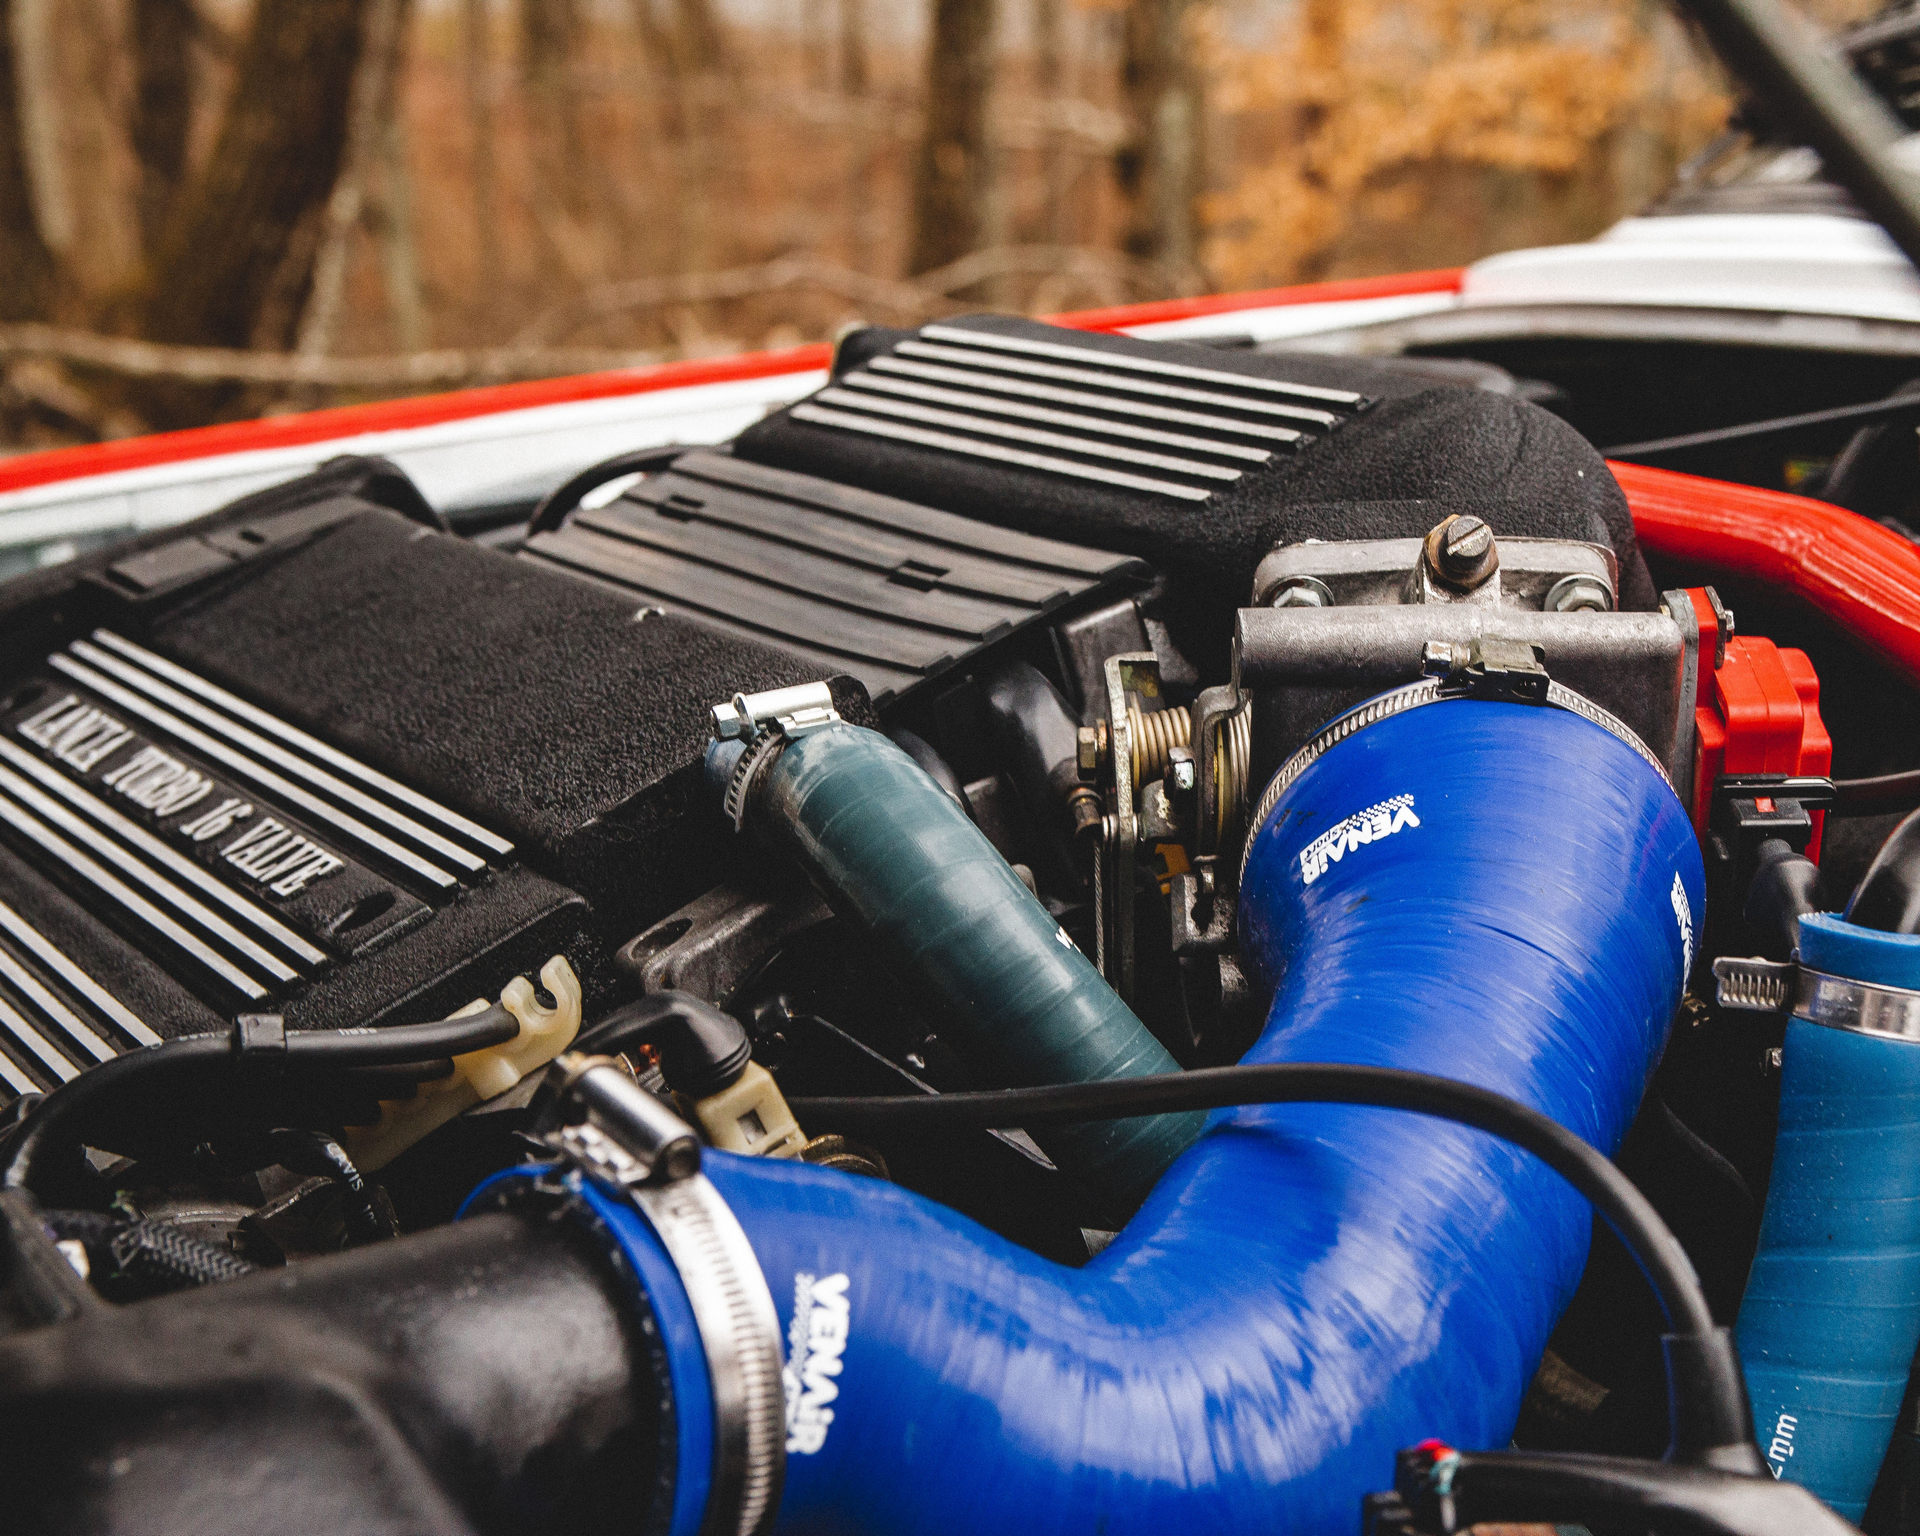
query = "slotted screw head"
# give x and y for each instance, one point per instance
(1465, 546)
(1462, 551)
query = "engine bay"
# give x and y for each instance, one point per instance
(1057, 937)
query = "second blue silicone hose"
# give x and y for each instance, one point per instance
(1831, 1316)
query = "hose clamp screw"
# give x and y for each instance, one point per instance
(795, 711)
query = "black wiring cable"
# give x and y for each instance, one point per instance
(1876, 796)
(400, 1044)
(1647, 1237)
(565, 498)
(317, 1154)
(65, 1115)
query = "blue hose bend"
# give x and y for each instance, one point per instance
(1309, 1288)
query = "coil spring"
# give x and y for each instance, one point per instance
(1154, 736)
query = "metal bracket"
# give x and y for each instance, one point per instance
(1676, 605)
(1136, 672)
(630, 1143)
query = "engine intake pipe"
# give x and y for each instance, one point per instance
(1498, 893)
(889, 848)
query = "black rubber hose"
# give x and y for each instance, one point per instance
(1647, 1237)
(1785, 888)
(318, 1155)
(65, 1115)
(1888, 896)
(396, 1044)
(702, 1049)
(1036, 729)
(933, 765)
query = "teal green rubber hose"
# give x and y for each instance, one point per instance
(1014, 995)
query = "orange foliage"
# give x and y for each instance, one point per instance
(1369, 101)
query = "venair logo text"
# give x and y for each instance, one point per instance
(1359, 829)
(816, 1339)
(1683, 915)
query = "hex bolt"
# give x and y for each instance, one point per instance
(1180, 768)
(1578, 594)
(1301, 592)
(1462, 551)
(1092, 749)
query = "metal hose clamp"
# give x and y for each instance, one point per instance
(1397, 701)
(633, 1144)
(766, 722)
(1837, 1002)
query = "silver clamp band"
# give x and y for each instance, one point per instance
(1398, 701)
(766, 722)
(632, 1143)
(1836, 1002)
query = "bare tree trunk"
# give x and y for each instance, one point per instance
(854, 71)
(1159, 168)
(399, 248)
(815, 49)
(952, 174)
(82, 172)
(163, 32)
(476, 63)
(691, 57)
(549, 42)
(1050, 76)
(274, 161)
(26, 265)
(371, 98)
(862, 208)
(701, 45)
(37, 66)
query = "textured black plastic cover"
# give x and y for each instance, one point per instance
(884, 590)
(160, 702)
(1431, 450)
(545, 707)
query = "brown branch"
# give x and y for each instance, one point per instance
(529, 357)
(922, 298)
(225, 365)
(896, 299)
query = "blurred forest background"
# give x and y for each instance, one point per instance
(215, 208)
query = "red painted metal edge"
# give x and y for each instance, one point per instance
(431, 410)
(391, 416)
(1345, 290)
(1864, 577)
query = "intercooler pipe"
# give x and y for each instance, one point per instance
(1831, 1316)
(1014, 996)
(1497, 893)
